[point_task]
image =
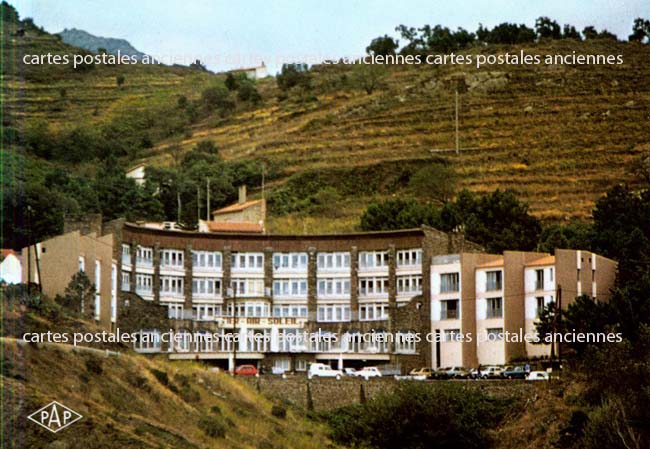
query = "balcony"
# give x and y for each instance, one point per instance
(143, 291)
(126, 260)
(142, 262)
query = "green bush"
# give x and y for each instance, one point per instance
(161, 376)
(212, 427)
(417, 416)
(94, 366)
(279, 411)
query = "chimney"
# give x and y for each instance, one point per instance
(242, 194)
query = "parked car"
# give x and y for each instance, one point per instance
(424, 371)
(246, 370)
(441, 373)
(518, 372)
(351, 372)
(538, 375)
(458, 372)
(368, 372)
(322, 370)
(278, 370)
(491, 372)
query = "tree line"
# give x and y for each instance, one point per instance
(440, 39)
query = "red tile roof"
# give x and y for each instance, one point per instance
(6, 252)
(223, 226)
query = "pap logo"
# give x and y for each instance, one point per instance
(54, 416)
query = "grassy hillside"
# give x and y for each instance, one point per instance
(559, 135)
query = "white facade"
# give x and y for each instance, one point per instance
(11, 269)
(446, 313)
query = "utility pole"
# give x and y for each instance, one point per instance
(198, 204)
(207, 193)
(263, 173)
(457, 136)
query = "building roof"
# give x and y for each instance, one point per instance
(223, 226)
(237, 207)
(495, 263)
(7, 252)
(546, 260)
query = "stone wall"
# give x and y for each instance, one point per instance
(328, 394)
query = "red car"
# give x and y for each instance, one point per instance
(246, 370)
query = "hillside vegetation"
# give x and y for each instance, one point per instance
(558, 135)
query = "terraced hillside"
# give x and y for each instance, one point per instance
(558, 135)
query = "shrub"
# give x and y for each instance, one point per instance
(212, 427)
(419, 416)
(279, 411)
(94, 366)
(161, 376)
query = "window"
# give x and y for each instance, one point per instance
(206, 259)
(247, 287)
(98, 287)
(247, 261)
(409, 258)
(126, 281)
(449, 282)
(175, 311)
(171, 258)
(82, 263)
(206, 312)
(333, 261)
(171, 285)
(282, 364)
(250, 309)
(329, 287)
(539, 279)
(373, 259)
(126, 254)
(540, 305)
(373, 286)
(147, 341)
(301, 365)
(495, 334)
(206, 286)
(144, 256)
(493, 280)
(143, 284)
(289, 261)
(290, 288)
(494, 309)
(409, 285)
(405, 342)
(289, 311)
(333, 313)
(373, 312)
(449, 309)
(452, 335)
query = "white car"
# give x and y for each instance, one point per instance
(368, 372)
(351, 372)
(322, 370)
(491, 372)
(538, 375)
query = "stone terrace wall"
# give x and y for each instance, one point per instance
(328, 394)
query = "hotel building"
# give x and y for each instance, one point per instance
(305, 298)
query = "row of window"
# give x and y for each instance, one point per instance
(284, 287)
(294, 261)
